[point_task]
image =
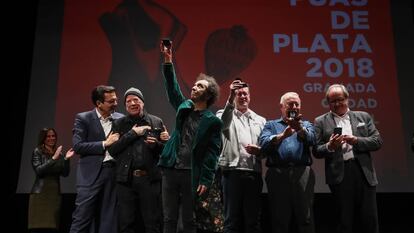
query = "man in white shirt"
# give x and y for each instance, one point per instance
(241, 162)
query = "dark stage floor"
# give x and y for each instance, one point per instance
(395, 213)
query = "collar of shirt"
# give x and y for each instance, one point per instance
(200, 112)
(280, 120)
(247, 114)
(141, 120)
(345, 116)
(101, 118)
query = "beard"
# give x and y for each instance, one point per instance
(201, 98)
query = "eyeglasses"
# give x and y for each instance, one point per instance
(113, 101)
(339, 101)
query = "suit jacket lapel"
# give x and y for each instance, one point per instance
(98, 124)
(354, 122)
(331, 121)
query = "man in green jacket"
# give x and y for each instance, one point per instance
(189, 159)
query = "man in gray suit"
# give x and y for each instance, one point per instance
(349, 170)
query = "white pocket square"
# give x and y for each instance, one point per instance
(360, 124)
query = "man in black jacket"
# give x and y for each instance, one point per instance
(138, 180)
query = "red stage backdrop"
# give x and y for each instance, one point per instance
(275, 46)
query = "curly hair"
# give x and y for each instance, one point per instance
(213, 89)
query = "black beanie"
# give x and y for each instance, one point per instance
(134, 91)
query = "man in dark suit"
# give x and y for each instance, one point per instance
(96, 198)
(349, 170)
(290, 179)
(190, 157)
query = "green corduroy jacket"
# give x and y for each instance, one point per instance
(206, 145)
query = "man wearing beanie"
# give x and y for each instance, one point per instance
(133, 91)
(190, 157)
(138, 179)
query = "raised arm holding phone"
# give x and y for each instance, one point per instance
(190, 157)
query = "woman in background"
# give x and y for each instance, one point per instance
(49, 164)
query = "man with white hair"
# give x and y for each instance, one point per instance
(287, 142)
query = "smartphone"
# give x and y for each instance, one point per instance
(243, 84)
(154, 132)
(292, 114)
(338, 130)
(166, 42)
